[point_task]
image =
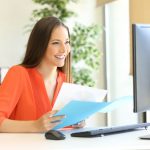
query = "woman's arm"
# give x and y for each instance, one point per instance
(43, 124)
(17, 126)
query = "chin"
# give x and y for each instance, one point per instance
(60, 65)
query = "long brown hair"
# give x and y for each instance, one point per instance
(38, 42)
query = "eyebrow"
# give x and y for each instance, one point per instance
(57, 40)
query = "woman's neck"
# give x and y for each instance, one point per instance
(49, 73)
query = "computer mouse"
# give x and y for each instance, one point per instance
(54, 135)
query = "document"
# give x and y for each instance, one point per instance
(77, 110)
(69, 92)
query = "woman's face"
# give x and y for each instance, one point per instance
(58, 47)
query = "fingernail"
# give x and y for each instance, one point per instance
(64, 116)
(55, 121)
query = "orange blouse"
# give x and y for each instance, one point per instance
(23, 94)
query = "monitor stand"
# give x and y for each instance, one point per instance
(145, 137)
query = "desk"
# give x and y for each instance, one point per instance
(29, 141)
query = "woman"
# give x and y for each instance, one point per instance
(29, 90)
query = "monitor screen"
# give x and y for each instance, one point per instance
(141, 67)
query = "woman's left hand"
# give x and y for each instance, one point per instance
(80, 124)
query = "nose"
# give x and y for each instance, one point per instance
(63, 48)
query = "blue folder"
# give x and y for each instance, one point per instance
(77, 111)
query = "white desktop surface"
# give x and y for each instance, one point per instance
(37, 141)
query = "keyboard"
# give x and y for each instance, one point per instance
(109, 130)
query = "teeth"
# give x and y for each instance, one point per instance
(60, 57)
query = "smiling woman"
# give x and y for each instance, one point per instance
(58, 47)
(29, 90)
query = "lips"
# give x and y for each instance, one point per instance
(60, 57)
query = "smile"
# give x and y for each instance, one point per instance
(60, 57)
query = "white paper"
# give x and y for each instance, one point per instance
(71, 91)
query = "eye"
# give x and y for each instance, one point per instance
(55, 43)
(67, 42)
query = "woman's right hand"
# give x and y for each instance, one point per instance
(47, 121)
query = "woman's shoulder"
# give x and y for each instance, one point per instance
(15, 73)
(17, 70)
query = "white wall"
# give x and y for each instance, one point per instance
(87, 12)
(14, 17)
(118, 54)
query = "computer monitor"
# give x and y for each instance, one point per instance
(141, 67)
